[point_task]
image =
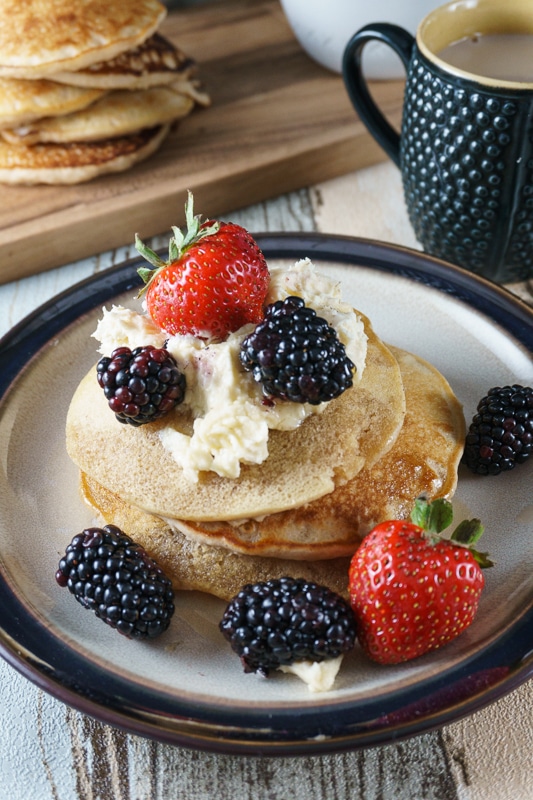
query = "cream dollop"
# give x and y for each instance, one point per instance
(318, 675)
(122, 327)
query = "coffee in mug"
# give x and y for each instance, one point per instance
(504, 56)
(465, 148)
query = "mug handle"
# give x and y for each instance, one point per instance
(402, 43)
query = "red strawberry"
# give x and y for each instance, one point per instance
(215, 280)
(412, 590)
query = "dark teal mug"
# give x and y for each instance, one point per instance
(465, 149)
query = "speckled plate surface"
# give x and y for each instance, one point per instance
(187, 687)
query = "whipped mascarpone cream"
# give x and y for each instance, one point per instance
(318, 675)
(231, 420)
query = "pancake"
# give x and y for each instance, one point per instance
(22, 102)
(328, 449)
(155, 62)
(41, 37)
(423, 461)
(77, 162)
(191, 87)
(194, 566)
(117, 113)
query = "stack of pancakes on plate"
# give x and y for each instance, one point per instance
(396, 434)
(86, 88)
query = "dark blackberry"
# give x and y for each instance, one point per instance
(113, 576)
(278, 622)
(500, 435)
(297, 355)
(141, 385)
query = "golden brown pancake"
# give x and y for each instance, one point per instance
(423, 461)
(22, 102)
(328, 449)
(155, 62)
(58, 60)
(205, 568)
(77, 162)
(40, 37)
(117, 113)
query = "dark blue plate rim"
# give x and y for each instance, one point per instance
(54, 666)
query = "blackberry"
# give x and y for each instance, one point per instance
(113, 576)
(279, 622)
(297, 355)
(141, 385)
(500, 435)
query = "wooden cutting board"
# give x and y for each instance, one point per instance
(278, 122)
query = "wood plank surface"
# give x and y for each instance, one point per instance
(278, 122)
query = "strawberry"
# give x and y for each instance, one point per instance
(412, 590)
(214, 282)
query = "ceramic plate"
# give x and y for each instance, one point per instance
(187, 687)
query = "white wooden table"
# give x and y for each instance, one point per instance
(51, 752)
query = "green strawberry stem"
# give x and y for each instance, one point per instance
(468, 532)
(433, 517)
(178, 244)
(436, 516)
(482, 558)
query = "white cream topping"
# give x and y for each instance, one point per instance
(318, 675)
(121, 327)
(231, 418)
(222, 440)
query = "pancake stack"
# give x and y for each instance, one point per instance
(87, 88)
(396, 434)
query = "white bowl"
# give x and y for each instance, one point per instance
(324, 27)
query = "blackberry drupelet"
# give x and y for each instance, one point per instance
(500, 435)
(279, 622)
(297, 355)
(140, 385)
(113, 576)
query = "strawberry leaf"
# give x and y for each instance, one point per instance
(147, 253)
(175, 245)
(146, 274)
(432, 517)
(468, 532)
(482, 558)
